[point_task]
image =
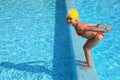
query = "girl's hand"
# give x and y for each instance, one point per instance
(99, 25)
(107, 29)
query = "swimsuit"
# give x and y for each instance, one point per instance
(80, 33)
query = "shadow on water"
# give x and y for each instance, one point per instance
(28, 67)
(62, 60)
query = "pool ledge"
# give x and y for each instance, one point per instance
(77, 43)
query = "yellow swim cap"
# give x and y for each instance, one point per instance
(73, 13)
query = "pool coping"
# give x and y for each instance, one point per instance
(77, 43)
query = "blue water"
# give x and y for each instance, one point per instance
(106, 54)
(34, 40)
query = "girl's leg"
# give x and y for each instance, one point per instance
(88, 45)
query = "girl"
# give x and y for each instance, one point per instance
(94, 35)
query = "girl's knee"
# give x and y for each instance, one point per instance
(86, 48)
(100, 38)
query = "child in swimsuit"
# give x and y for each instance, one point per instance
(94, 35)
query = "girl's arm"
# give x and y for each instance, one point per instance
(97, 29)
(92, 25)
(95, 25)
(94, 29)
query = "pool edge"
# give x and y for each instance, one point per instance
(79, 53)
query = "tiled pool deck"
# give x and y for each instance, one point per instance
(77, 43)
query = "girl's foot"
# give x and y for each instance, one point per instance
(86, 67)
(83, 62)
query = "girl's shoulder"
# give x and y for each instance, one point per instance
(81, 25)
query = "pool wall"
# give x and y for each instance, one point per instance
(63, 68)
(77, 43)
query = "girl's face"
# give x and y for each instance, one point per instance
(69, 20)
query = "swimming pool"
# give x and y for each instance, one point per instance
(32, 43)
(106, 54)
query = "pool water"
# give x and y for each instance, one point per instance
(32, 43)
(106, 53)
